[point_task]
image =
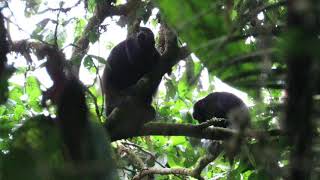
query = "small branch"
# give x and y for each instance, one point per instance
(56, 30)
(95, 102)
(202, 163)
(102, 11)
(135, 160)
(255, 12)
(193, 172)
(162, 171)
(241, 59)
(144, 151)
(64, 10)
(222, 41)
(275, 73)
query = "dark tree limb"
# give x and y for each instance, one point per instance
(5, 70)
(303, 26)
(3, 44)
(197, 131)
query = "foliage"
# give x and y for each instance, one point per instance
(242, 42)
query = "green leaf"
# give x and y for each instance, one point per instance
(33, 91)
(16, 93)
(178, 140)
(19, 111)
(88, 62)
(99, 59)
(80, 24)
(93, 36)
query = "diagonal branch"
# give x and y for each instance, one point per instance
(193, 172)
(102, 11)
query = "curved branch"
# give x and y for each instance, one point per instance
(64, 10)
(193, 172)
(102, 11)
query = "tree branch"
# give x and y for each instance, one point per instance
(102, 11)
(64, 10)
(191, 130)
(241, 59)
(193, 172)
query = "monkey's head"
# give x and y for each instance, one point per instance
(200, 111)
(146, 38)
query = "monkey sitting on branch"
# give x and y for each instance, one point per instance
(223, 105)
(128, 62)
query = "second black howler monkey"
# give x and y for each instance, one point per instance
(222, 105)
(128, 61)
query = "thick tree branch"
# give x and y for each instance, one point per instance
(301, 60)
(3, 44)
(5, 70)
(191, 130)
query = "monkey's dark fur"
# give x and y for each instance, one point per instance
(73, 117)
(129, 61)
(222, 105)
(126, 64)
(219, 105)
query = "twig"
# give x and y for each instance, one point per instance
(144, 151)
(60, 9)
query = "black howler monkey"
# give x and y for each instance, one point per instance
(85, 139)
(126, 64)
(222, 105)
(73, 117)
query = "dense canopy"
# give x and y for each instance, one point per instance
(53, 123)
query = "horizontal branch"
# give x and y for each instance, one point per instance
(162, 171)
(191, 130)
(276, 74)
(241, 59)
